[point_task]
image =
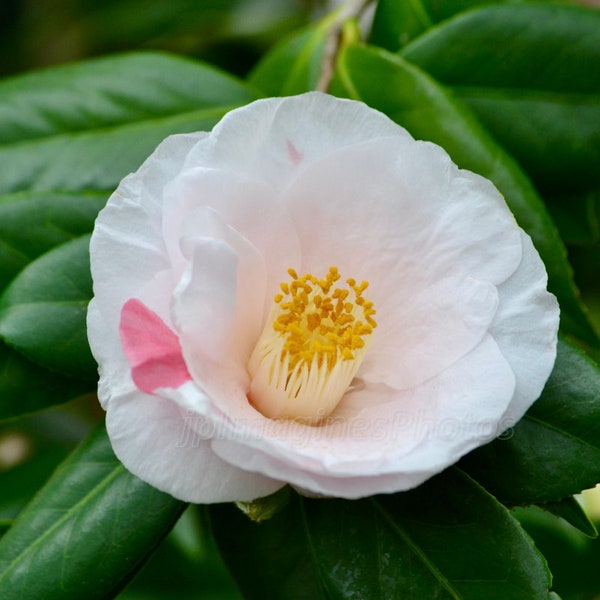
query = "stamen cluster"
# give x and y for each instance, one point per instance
(319, 320)
(311, 347)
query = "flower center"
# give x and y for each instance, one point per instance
(311, 347)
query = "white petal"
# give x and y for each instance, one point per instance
(400, 215)
(113, 368)
(309, 182)
(274, 138)
(156, 441)
(417, 434)
(428, 331)
(525, 328)
(209, 311)
(126, 250)
(248, 206)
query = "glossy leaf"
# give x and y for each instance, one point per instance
(396, 23)
(54, 136)
(87, 531)
(294, 65)
(26, 387)
(40, 443)
(186, 566)
(52, 218)
(110, 91)
(446, 539)
(577, 217)
(572, 557)
(554, 451)
(429, 112)
(530, 74)
(43, 312)
(570, 510)
(271, 559)
(21, 482)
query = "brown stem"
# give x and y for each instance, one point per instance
(352, 9)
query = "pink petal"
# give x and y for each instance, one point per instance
(151, 348)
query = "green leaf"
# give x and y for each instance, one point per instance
(186, 566)
(429, 112)
(52, 218)
(40, 442)
(85, 126)
(271, 559)
(110, 91)
(570, 510)
(87, 531)
(446, 539)
(529, 72)
(396, 23)
(21, 482)
(43, 312)
(577, 217)
(572, 557)
(294, 65)
(554, 451)
(26, 387)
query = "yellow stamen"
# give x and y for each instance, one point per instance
(311, 347)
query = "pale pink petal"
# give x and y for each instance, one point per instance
(525, 329)
(428, 331)
(250, 207)
(190, 250)
(401, 215)
(126, 249)
(152, 349)
(249, 279)
(420, 431)
(431, 245)
(106, 347)
(272, 139)
(153, 437)
(219, 302)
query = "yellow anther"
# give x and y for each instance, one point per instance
(322, 319)
(347, 354)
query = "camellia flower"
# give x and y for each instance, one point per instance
(307, 295)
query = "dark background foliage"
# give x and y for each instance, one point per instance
(94, 530)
